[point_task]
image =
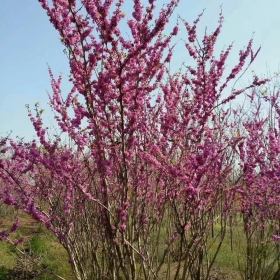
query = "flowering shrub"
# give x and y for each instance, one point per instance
(147, 172)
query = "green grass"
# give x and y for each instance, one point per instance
(8, 257)
(228, 258)
(54, 256)
(42, 244)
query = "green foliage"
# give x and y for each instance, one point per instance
(39, 244)
(4, 273)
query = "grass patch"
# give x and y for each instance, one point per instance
(41, 245)
(49, 254)
(8, 258)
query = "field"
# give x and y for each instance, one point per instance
(40, 245)
(48, 255)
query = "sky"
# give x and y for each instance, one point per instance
(29, 43)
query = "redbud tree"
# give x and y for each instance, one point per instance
(256, 184)
(136, 190)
